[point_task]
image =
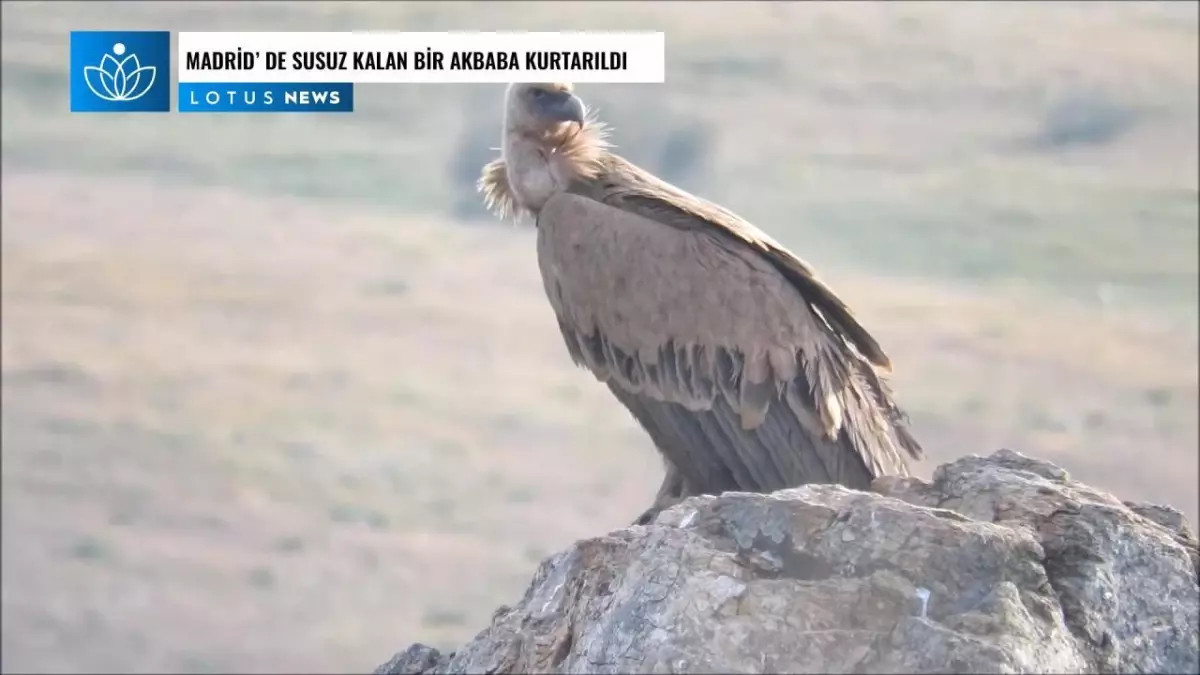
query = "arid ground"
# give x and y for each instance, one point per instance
(279, 396)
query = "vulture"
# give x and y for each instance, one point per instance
(747, 372)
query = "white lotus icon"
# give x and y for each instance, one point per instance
(123, 80)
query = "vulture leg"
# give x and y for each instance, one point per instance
(674, 490)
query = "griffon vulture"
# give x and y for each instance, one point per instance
(747, 372)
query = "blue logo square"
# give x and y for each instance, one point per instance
(120, 71)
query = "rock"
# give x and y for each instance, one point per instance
(1001, 564)
(418, 658)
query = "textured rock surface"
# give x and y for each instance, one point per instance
(1001, 564)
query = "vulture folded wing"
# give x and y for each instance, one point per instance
(713, 348)
(644, 193)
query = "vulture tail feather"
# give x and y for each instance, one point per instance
(680, 438)
(790, 458)
(745, 448)
(723, 447)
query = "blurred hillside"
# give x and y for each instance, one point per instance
(279, 396)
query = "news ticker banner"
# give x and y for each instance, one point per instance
(130, 71)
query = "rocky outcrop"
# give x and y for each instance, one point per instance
(1000, 564)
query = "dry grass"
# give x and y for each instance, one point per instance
(245, 430)
(207, 400)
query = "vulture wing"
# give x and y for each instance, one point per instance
(747, 372)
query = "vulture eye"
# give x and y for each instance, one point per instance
(540, 94)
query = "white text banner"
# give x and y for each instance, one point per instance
(399, 57)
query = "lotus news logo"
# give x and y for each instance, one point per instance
(112, 82)
(120, 71)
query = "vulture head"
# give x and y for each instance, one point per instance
(550, 139)
(541, 109)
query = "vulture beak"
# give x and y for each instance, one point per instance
(573, 110)
(566, 107)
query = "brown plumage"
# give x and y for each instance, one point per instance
(747, 372)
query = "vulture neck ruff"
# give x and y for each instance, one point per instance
(536, 166)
